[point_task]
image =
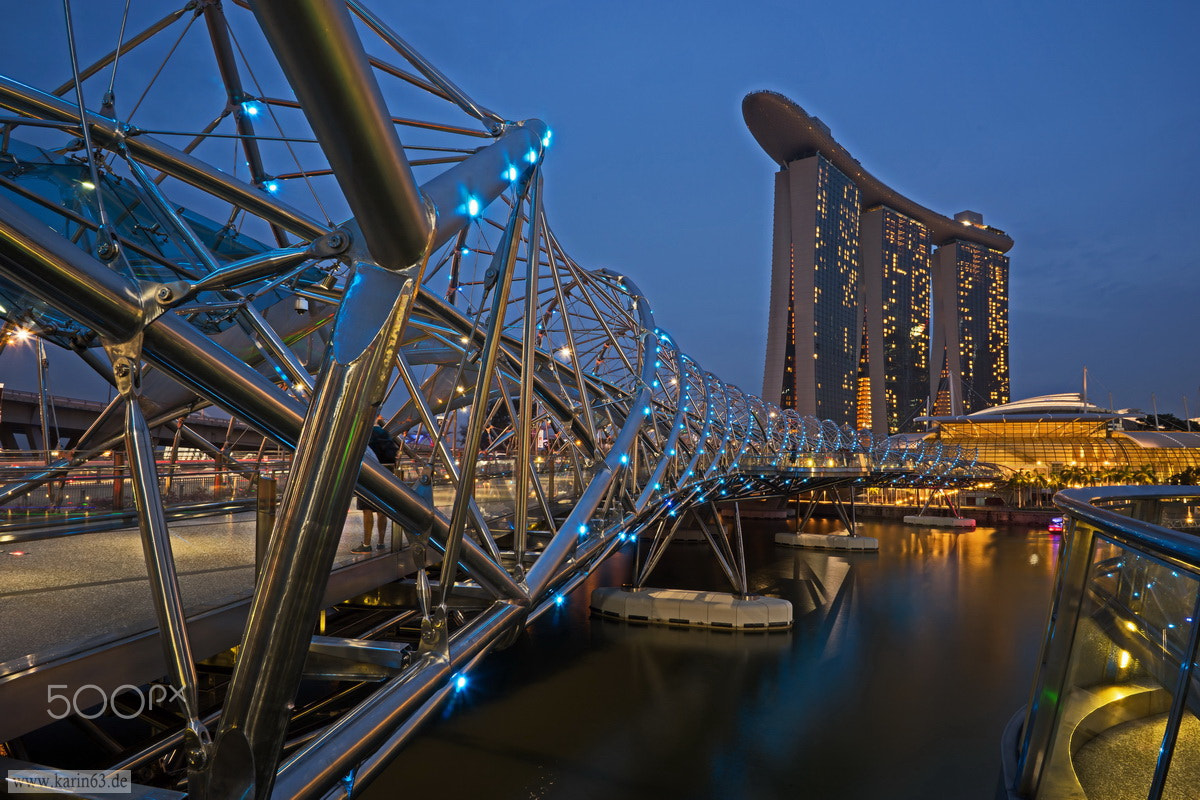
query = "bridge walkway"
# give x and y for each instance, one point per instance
(76, 610)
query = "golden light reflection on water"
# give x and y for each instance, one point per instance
(935, 635)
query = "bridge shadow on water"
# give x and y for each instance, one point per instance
(896, 682)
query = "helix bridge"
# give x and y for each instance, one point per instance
(284, 212)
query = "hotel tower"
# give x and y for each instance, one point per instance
(881, 310)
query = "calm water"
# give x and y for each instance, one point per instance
(896, 682)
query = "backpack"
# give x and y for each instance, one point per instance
(382, 445)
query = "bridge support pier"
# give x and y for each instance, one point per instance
(843, 540)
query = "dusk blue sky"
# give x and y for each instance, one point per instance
(1073, 127)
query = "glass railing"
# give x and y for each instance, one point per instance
(1115, 706)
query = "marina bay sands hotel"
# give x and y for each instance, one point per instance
(852, 333)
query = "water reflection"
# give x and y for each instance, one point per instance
(896, 680)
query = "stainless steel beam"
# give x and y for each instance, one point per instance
(334, 755)
(309, 525)
(23, 99)
(320, 52)
(60, 274)
(493, 120)
(500, 275)
(164, 585)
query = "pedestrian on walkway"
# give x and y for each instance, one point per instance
(386, 450)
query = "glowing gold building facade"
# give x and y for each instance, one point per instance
(1053, 433)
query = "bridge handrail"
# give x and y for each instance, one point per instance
(9, 395)
(1082, 504)
(1143, 577)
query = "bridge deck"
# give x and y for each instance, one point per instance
(76, 605)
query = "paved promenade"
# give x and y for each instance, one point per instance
(70, 593)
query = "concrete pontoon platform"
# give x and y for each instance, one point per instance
(692, 608)
(940, 522)
(827, 541)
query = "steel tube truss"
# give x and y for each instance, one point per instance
(542, 415)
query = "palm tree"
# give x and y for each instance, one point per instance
(1187, 477)
(1017, 483)
(1145, 474)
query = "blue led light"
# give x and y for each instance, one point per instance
(646, 410)
(466, 251)
(250, 107)
(531, 156)
(624, 458)
(460, 682)
(271, 186)
(473, 207)
(547, 137)
(558, 599)
(583, 530)
(510, 174)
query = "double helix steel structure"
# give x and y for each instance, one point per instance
(281, 209)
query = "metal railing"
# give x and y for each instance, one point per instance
(1119, 656)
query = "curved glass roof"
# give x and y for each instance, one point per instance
(57, 188)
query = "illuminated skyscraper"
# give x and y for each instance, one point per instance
(971, 322)
(860, 350)
(896, 285)
(812, 361)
